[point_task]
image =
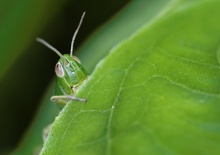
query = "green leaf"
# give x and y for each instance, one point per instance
(156, 93)
(27, 73)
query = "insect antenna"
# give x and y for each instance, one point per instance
(49, 46)
(75, 33)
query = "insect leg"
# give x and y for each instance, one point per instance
(62, 99)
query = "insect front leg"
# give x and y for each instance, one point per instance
(63, 99)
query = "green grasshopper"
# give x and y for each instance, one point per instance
(70, 74)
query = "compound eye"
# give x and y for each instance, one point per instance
(59, 70)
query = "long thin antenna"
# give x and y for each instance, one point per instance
(49, 46)
(75, 33)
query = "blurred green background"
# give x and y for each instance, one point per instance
(26, 67)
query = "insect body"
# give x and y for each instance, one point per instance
(69, 71)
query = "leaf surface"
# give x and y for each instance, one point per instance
(156, 93)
